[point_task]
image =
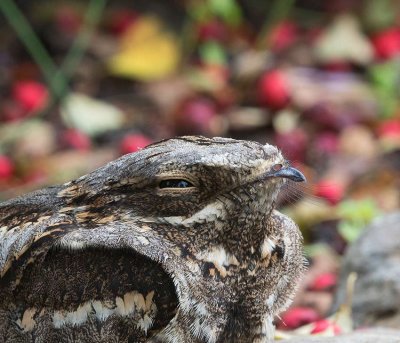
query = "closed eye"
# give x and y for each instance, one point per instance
(175, 183)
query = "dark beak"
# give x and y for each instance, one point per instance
(291, 174)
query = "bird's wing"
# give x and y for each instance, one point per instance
(61, 281)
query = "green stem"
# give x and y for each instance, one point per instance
(32, 43)
(56, 78)
(78, 49)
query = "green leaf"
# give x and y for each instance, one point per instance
(199, 11)
(356, 215)
(212, 52)
(379, 14)
(385, 78)
(385, 75)
(350, 232)
(228, 10)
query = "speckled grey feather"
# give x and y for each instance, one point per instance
(114, 257)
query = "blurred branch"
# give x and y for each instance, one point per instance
(32, 43)
(56, 78)
(78, 49)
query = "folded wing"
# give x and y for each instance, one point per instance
(63, 282)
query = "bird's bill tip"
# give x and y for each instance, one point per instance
(291, 174)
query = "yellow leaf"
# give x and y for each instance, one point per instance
(146, 52)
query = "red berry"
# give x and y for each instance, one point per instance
(324, 282)
(31, 95)
(336, 329)
(6, 168)
(133, 142)
(320, 326)
(273, 90)
(323, 325)
(283, 35)
(390, 128)
(76, 139)
(387, 43)
(331, 191)
(298, 316)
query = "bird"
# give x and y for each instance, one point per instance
(179, 242)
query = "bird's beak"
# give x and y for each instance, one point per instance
(291, 174)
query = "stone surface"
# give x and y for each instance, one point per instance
(375, 257)
(365, 336)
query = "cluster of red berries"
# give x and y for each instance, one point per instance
(299, 316)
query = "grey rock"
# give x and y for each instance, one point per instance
(375, 257)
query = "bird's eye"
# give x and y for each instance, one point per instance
(277, 167)
(175, 183)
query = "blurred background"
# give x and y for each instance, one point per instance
(83, 82)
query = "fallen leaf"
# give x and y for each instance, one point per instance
(343, 40)
(146, 52)
(89, 115)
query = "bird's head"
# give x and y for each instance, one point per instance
(187, 179)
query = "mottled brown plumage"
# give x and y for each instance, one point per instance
(179, 243)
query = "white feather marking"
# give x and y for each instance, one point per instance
(75, 318)
(201, 309)
(3, 231)
(174, 220)
(143, 240)
(282, 283)
(75, 245)
(219, 257)
(145, 323)
(120, 306)
(79, 316)
(268, 329)
(27, 323)
(271, 301)
(210, 334)
(102, 310)
(169, 333)
(267, 247)
(58, 319)
(131, 303)
(196, 328)
(200, 329)
(208, 213)
(73, 241)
